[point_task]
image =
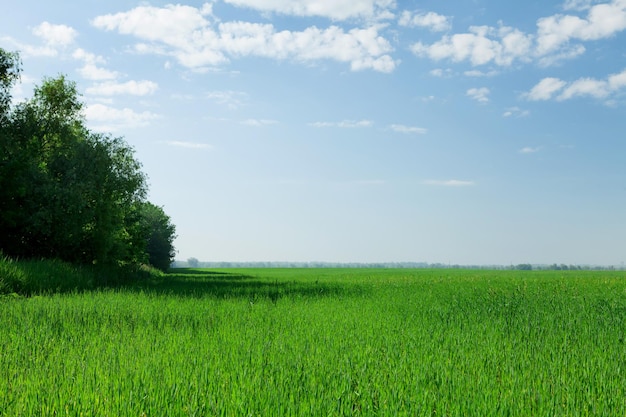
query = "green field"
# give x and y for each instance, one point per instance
(321, 342)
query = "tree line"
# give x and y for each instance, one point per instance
(69, 193)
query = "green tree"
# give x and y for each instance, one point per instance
(67, 192)
(71, 188)
(113, 230)
(193, 262)
(160, 234)
(45, 154)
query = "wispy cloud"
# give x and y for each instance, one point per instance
(231, 99)
(545, 89)
(90, 69)
(110, 119)
(449, 183)
(190, 145)
(346, 124)
(555, 88)
(478, 73)
(441, 72)
(111, 88)
(557, 37)
(515, 112)
(529, 150)
(408, 129)
(578, 4)
(479, 94)
(336, 9)
(258, 122)
(429, 20)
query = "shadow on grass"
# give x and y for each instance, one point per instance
(205, 283)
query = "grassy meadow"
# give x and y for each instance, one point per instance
(321, 342)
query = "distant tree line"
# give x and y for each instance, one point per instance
(69, 193)
(195, 263)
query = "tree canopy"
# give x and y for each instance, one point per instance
(67, 192)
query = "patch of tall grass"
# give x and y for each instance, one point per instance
(322, 342)
(48, 276)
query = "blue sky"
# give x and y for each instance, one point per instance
(470, 132)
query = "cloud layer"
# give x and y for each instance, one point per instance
(557, 38)
(555, 88)
(336, 9)
(197, 40)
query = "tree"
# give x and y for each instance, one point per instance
(193, 262)
(160, 235)
(10, 69)
(69, 193)
(46, 161)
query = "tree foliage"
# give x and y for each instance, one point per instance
(10, 69)
(67, 192)
(160, 233)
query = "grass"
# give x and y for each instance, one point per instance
(321, 342)
(46, 276)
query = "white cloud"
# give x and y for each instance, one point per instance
(479, 94)
(430, 20)
(189, 145)
(362, 48)
(174, 30)
(186, 34)
(55, 35)
(529, 150)
(602, 21)
(231, 99)
(440, 72)
(408, 129)
(545, 89)
(449, 183)
(585, 87)
(477, 73)
(332, 9)
(90, 70)
(110, 119)
(135, 88)
(617, 81)
(344, 124)
(515, 112)
(553, 41)
(564, 54)
(478, 47)
(28, 50)
(577, 4)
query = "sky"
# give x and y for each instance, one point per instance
(461, 132)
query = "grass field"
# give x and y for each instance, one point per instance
(321, 342)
